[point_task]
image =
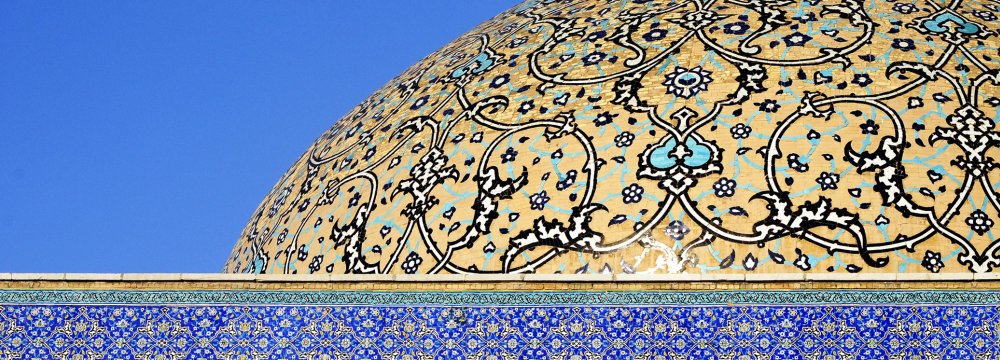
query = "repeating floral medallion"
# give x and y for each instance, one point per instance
(656, 136)
(883, 325)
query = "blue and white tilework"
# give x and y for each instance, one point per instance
(91, 325)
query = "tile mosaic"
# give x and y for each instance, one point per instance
(597, 137)
(708, 325)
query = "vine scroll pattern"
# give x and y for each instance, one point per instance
(662, 136)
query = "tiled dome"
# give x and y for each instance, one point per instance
(662, 137)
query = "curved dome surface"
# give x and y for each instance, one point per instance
(662, 137)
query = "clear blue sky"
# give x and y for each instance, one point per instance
(138, 136)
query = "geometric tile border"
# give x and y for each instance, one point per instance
(503, 298)
(468, 328)
(203, 323)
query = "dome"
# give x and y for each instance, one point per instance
(601, 136)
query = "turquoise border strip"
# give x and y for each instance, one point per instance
(753, 297)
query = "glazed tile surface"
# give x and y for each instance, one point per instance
(662, 137)
(509, 329)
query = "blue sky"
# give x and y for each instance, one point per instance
(138, 136)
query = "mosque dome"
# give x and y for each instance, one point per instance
(658, 136)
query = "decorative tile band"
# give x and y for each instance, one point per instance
(668, 326)
(504, 298)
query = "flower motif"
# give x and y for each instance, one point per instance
(676, 230)
(314, 265)
(869, 127)
(420, 102)
(526, 107)
(828, 180)
(632, 194)
(796, 39)
(500, 81)
(736, 28)
(724, 187)
(979, 222)
(768, 106)
(538, 200)
(624, 139)
(411, 263)
(862, 80)
(654, 35)
(740, 131)
(508, 156)
(903, 44)
(686, 83)
(904, 8)
(594, 58)
(932, 261)
(985, 15)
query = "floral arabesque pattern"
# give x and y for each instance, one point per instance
(662, 136)
(123, 331)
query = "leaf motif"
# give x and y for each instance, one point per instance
(618, 219)
(728, 261)
(778, 258)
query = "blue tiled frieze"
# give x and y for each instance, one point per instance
(264, 297)
(301, 325)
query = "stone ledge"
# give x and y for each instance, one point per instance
(92, 277)
(494, 277)
(361, 278)
(429, 278)
(503, 278)
(569, 277)
(151, 277)
(935, 277)
(292, 278)
(724, 277)
(786, 277)
(993, 276)
(850, 277)
(658, 277)
(218, 277)
(37, 276)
